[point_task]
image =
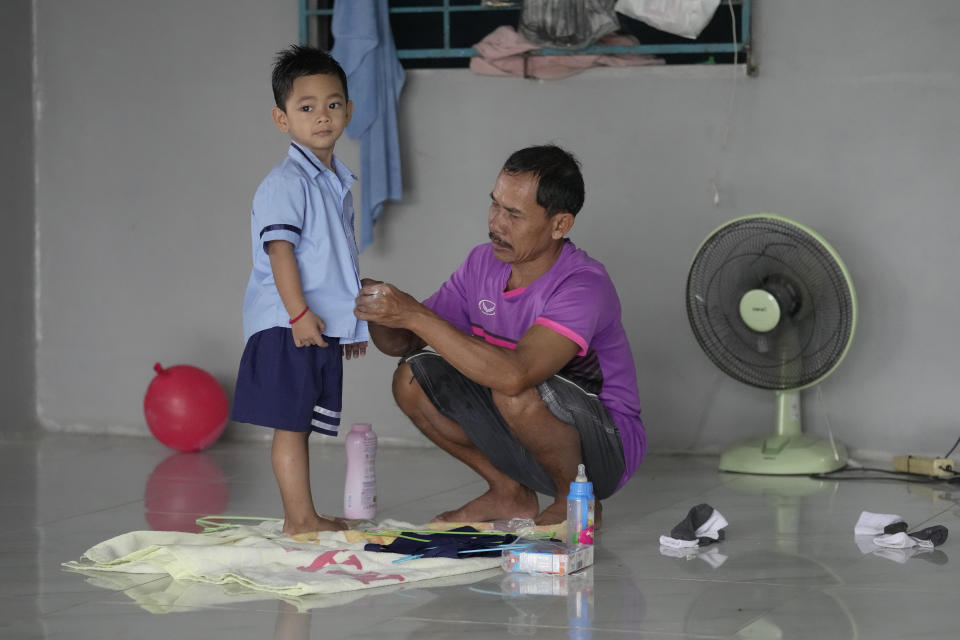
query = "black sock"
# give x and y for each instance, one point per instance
(937, 534)
(896, 527)
(687, 528)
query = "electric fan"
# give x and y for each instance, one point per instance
(773, 306)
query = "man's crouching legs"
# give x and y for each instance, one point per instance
(505, 498)
(555, 445)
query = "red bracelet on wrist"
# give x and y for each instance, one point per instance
(302, 313)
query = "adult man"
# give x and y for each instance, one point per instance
(531, 373)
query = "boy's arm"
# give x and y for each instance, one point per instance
(308, 329)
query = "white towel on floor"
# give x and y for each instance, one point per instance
(260, 559)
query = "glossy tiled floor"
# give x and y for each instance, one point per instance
(789, 567)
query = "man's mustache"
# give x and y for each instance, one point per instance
(499, 240)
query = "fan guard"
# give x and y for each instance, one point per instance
(807, 283)
(773, 306)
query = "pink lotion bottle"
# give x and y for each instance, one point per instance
(360, 491)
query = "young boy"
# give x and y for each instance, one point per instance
(298, 320)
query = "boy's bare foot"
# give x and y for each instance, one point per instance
(492, 506)
(291, 528)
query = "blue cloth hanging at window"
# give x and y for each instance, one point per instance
(363, 45)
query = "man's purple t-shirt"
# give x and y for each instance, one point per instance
(575, 298)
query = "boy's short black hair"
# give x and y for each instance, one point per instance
(559, 181)
(297, 61)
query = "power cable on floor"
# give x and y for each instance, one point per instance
(897, 476)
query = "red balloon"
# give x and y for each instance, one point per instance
(182, 488)
(185, 407)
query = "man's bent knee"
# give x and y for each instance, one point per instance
(406, 389)
(515, 408)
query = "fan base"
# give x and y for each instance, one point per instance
(784, 455)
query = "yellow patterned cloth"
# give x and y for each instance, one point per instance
(260, 559)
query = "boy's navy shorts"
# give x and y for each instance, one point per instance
(287, 387)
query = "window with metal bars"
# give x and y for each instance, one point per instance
(441, 33)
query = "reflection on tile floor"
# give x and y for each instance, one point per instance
(789, 568)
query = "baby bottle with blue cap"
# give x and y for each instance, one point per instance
(580, 508)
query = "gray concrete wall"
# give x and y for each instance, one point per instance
(155, 132)
(17, 343)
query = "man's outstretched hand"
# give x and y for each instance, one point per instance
(384, 304)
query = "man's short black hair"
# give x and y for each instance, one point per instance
(297, 61)
(559, 181)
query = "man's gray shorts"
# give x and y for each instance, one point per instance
(471, 406)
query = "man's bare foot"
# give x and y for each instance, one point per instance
(493, 506)
(554, 514)
(291, 528)
(557, 513)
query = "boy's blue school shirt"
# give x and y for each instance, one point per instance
(311, 207)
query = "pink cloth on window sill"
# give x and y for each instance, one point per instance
(502, 54)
